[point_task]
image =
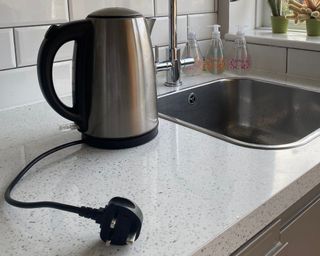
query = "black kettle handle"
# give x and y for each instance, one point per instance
(82, 34)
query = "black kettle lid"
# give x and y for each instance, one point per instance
(115, 12)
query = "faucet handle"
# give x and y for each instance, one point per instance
(178, 54)
(156, 54)
(187, 61)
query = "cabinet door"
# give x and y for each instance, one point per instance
(282, 250)
(266, 243)
(303, 233)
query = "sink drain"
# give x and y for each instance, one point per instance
(192, 98)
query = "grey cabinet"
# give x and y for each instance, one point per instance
(296, 232)
(267, 243)
(303, 233)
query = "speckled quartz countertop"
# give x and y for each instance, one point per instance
(199, 195)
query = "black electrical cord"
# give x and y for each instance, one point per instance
(45, 204)
(120, 221)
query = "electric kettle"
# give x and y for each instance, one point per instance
(114, 85)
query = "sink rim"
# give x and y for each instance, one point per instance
(301, 142)
(277, 83)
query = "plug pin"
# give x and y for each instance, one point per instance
(113, 223)
(131, 238)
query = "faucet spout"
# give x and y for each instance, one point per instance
(173, 74)
(173, 28)
(174, 62)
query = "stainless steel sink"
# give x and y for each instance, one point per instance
(246, 112)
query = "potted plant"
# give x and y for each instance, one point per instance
(278, 21)
(308, 11)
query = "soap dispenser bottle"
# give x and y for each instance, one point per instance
(192, 50)
(240, 62)
(214, 58)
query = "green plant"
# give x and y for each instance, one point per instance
(276, 7)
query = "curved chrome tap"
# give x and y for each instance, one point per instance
(173, 65)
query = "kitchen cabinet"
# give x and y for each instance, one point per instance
(266, 242)
(303, 233)
(295, 232)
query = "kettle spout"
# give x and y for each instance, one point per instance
(150, 23)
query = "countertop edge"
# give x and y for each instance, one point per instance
(246, 228)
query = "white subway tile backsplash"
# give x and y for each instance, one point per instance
(20, 86)
(303, 63)
(32, 12)
(28, 41)
(186, 6)
(267, 58)
(160, 34)
(79, 9)
(204, 47)
(228, 48)
(242, 13)
(163, 52)
(7, 54)
(262, 58)
(200, 23)
(23, 24)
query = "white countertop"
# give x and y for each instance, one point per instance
(199, 195)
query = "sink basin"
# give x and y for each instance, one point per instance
(250, 113)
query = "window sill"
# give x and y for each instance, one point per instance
(293, 39)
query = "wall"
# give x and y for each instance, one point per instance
(24, 22)
(242, 13)
(292, 54)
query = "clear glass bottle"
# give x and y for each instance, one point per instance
(240, 62)
(192, 50)
(215, 59)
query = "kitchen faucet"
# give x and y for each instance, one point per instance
(173, 65)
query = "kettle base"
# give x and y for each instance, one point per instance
(122, 143)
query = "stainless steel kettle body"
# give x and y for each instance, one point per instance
(114, 85)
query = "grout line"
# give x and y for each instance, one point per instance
(35, 25)
(188, 24)
(185, 14)
(256, 14)
(15, 48)
(33, 65)
(204, 40)
(262, 44)
(154, 8)
(166, 45)
(69, 11)
(287, 59)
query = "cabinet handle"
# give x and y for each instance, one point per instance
(279, 252)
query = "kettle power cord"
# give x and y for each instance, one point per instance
(120, 220)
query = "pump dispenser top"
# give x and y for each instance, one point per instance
(240, 31)
(216, 31)
(192, 36)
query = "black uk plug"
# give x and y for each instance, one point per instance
(120, 222)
